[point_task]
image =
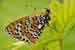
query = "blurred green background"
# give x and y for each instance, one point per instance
(60, 32)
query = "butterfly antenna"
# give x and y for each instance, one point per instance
(49, 3)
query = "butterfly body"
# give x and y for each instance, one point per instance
(28, 29)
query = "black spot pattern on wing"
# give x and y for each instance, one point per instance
(29, 28)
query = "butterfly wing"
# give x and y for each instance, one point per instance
(27, 29)
(23, 29)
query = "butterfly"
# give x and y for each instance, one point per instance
(28, 28)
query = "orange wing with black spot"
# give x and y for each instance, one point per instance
(28, 28)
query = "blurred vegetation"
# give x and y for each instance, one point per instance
(61, 30)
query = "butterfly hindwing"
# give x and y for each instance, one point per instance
(27, 29)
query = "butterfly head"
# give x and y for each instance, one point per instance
(46, 15)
